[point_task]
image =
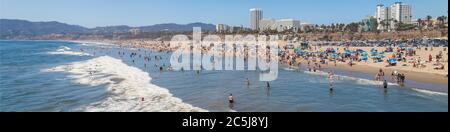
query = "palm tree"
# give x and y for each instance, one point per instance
(429, 23)
(420, 23)
(441, 21)
(333, 27)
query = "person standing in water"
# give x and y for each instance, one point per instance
(231, 99)
(248, 82)
(330, 79)
(385, 84)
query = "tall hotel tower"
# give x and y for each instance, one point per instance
(256, 15)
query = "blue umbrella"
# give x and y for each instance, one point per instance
(392, 60)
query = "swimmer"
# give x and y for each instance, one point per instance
(231, 99)
(330, 79)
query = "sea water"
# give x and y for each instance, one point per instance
(69, 76)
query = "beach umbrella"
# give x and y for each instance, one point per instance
(360, 51)
(392, 60)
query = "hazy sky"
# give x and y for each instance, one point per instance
(92, 13)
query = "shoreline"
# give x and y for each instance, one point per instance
(420, 76)
(423, 77)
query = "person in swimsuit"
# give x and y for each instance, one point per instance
(231, 99)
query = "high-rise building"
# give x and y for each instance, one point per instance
(383, 15)
(401, 12)
(388, 16)
(256, 16)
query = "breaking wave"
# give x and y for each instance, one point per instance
(429, 92)
(63, 50)
(129, 89)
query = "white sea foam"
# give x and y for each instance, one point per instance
(126, 87)
(429, 92)
(360, 81)
(92, 43)
(63, 50)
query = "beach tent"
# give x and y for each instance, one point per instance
(334, 56)
(373, 52)
(365, 56)
(360, 51)
(392, 61)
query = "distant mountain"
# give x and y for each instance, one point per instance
(172, 27)
(10, 27)
(177, 27)
(14, 28)
(111, 29)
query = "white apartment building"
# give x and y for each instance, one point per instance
(256, 16)
(382, 14)
(279, 25)
(398, 12)
(266, 24)
(287, 24)
(222, 28)
(401, 12)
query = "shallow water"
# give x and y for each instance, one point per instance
(43, 76)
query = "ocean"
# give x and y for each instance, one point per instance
(70, 76)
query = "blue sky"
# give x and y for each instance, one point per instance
(92, 13)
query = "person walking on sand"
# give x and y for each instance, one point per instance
(430, 58)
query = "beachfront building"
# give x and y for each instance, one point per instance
(401, 13)
(135, 31)
(382, 15)
(222, 28)
(287, 24)
(387, 17)
(280, 25)
(306, 26)
(256, 16)
(266, 24)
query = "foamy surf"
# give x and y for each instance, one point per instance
(128, 88)
(63, 50)
(357, 80)
(429, 92)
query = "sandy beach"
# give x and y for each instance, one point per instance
(426, 72)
